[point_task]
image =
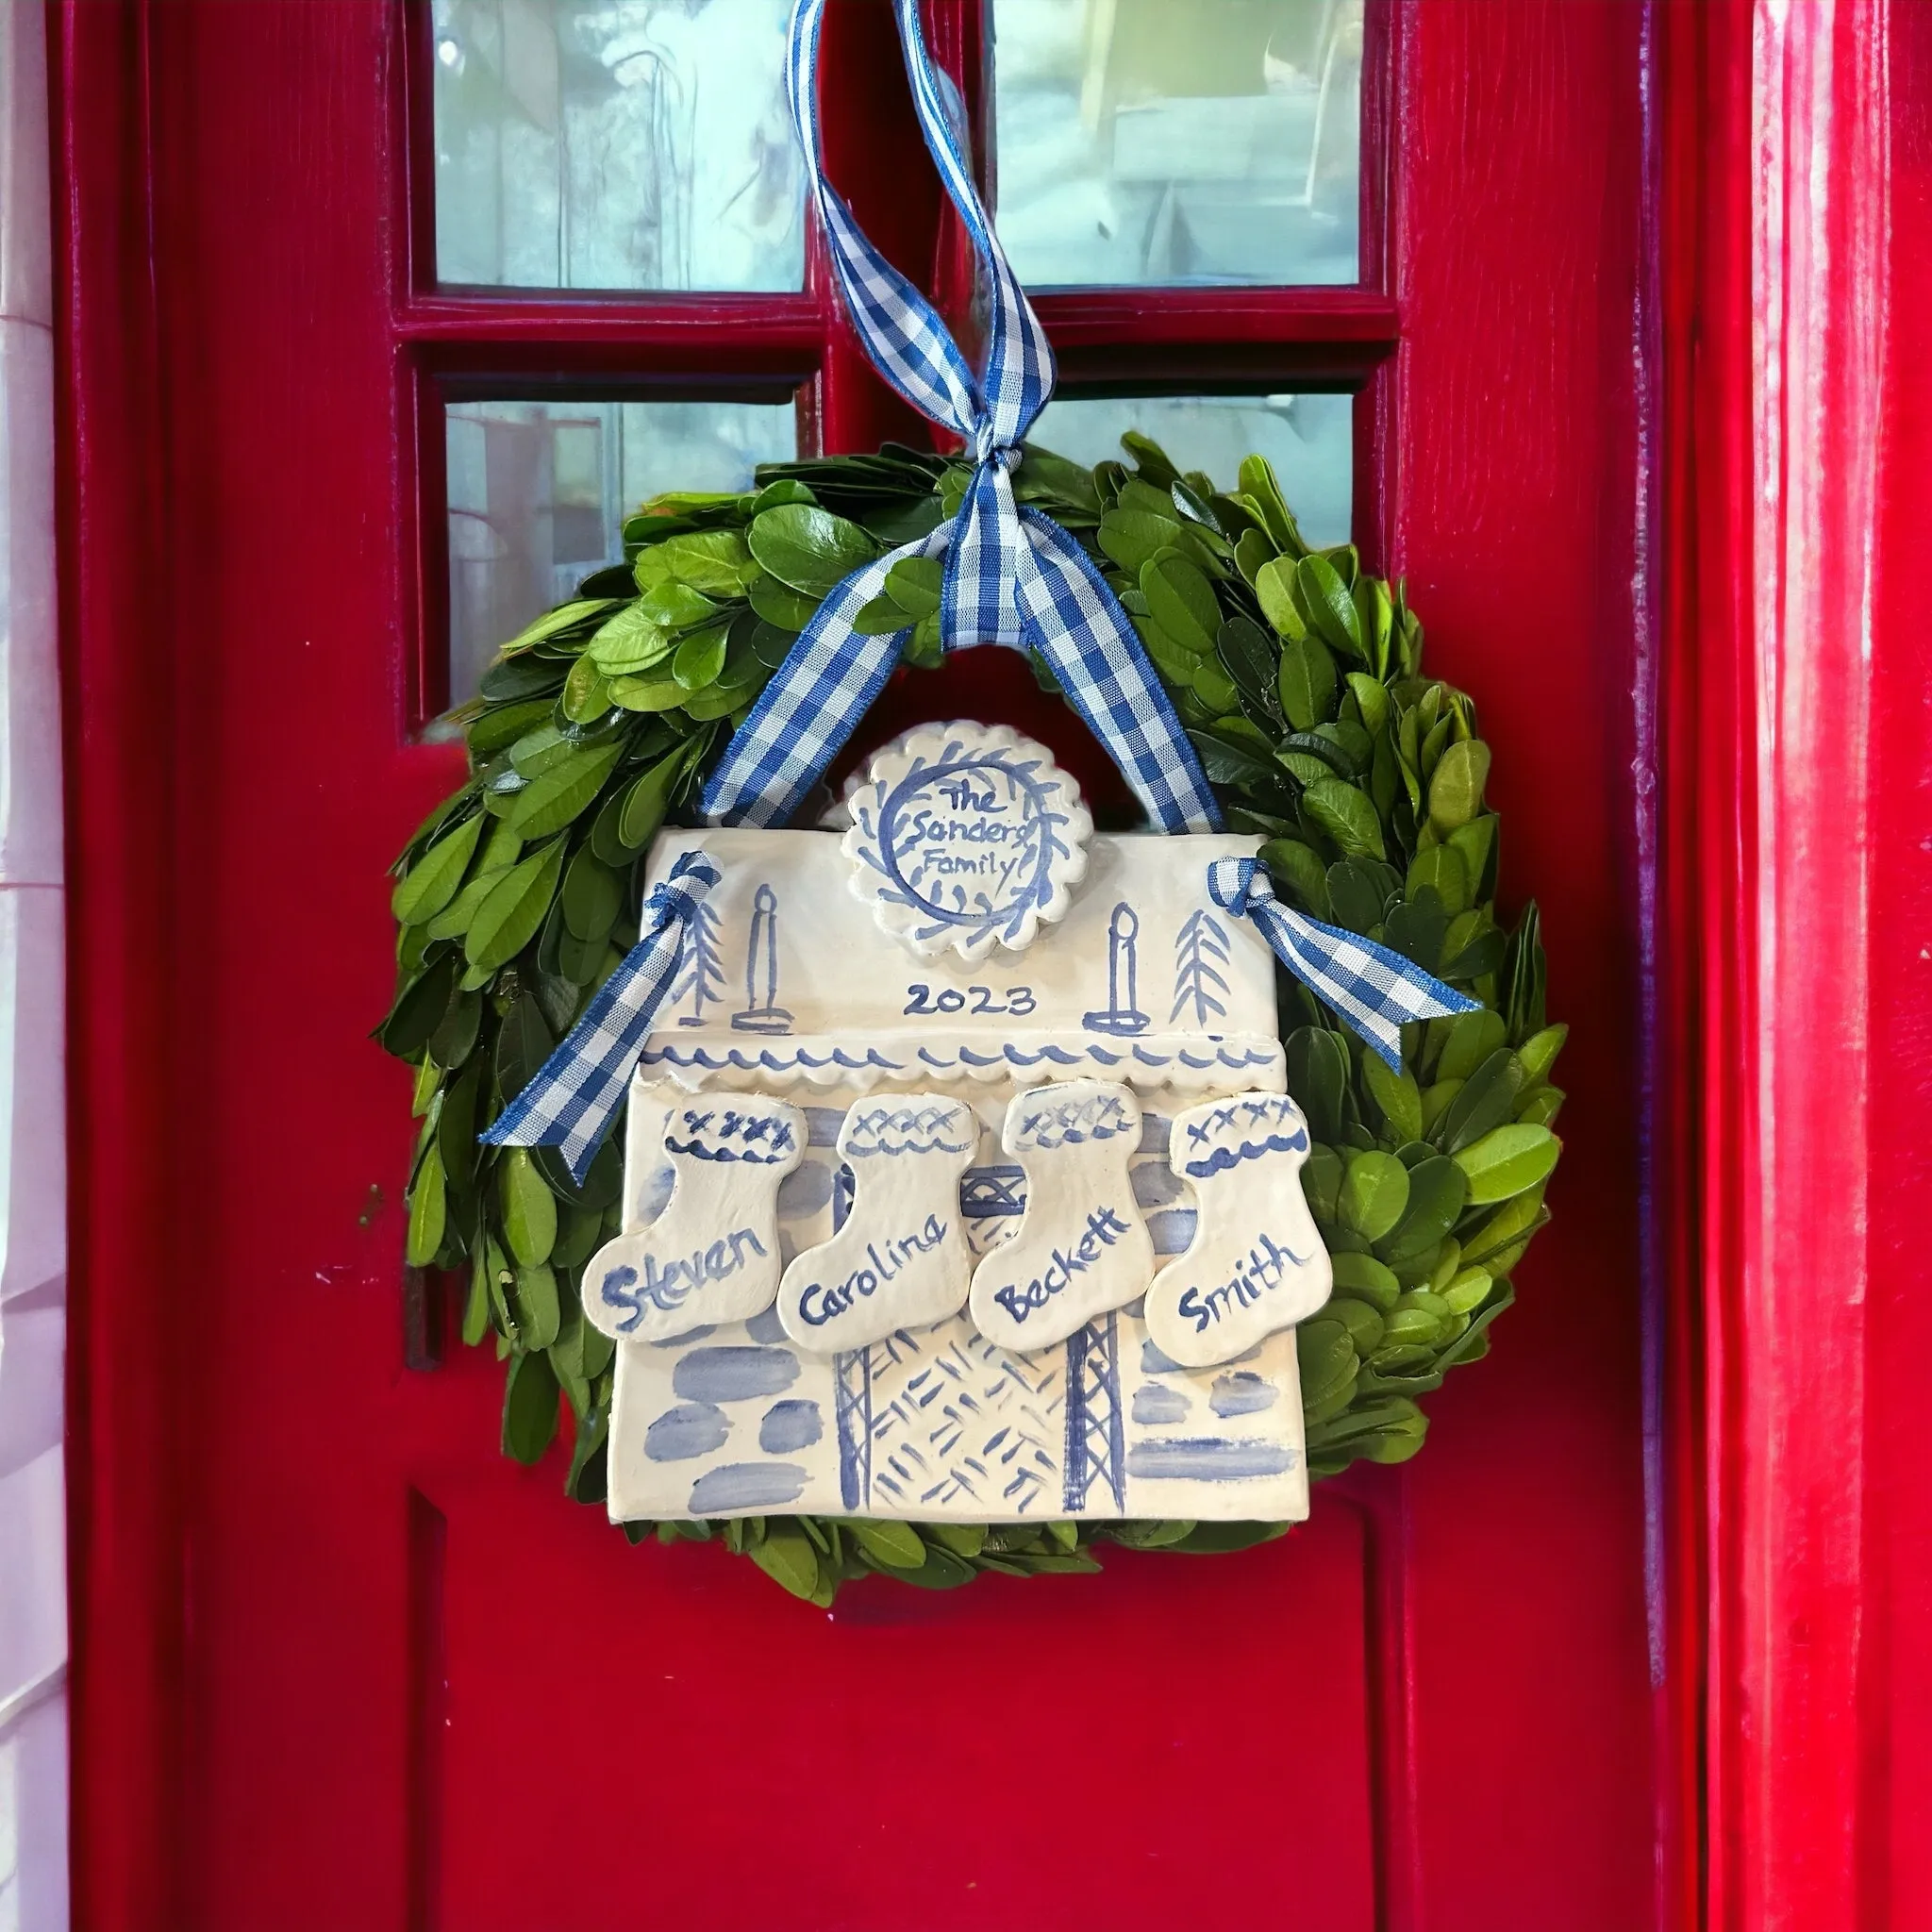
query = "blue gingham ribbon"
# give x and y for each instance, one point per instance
(571, 1098)
(1375, 989)
(1012, 576)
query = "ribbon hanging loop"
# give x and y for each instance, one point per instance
(1011, 576)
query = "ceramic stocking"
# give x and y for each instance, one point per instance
(1256, 1263)
(901, 1260)
(712, 1255)
(1082, 1248)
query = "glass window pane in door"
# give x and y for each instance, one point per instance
(615, 144)
(538, 493)
(1308, 439)
(1166, 142)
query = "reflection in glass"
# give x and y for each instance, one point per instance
(1309, 440)
(1168, 142)
(539, 492)
(615, 144)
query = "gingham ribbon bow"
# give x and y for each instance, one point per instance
(1013, 577)
(571, 1098)
(1376, 990)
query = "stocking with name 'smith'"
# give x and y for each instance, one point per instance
(1082, 1248)
(712, 1255)
(901, 1259)
(1256, 1263)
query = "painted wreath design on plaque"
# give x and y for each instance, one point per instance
(967, 841)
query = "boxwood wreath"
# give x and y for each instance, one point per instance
(1299, 677)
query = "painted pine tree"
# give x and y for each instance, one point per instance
(701, 972)
(1200, 950)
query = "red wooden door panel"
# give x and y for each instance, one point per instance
(338, 1665)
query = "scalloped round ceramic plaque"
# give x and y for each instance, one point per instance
(966, 837)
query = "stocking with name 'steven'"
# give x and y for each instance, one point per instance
(712, 1256)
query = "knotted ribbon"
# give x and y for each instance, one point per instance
(1012, 575)
(571, 1098)
(1375, 989)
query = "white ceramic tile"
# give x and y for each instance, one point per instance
(33, 1831)
(33, 1136)
(29, 666)
(33, 1631)
(26, 281)
(33, 1351)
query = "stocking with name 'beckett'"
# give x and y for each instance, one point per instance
(1082, 1248)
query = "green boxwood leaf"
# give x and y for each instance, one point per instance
(1348, 815)
(592, 895)
(1366, 1279)
(915, 583)
(808, 548)
(629, 643)
(539, 1311)
(647, 694)
(1438, 1191)
(718, 562)
(1397, 1095)
(1471, 1039)
(1375, 1192)
(1442, 869)
(699, 659)
(1131, 536)
(675, 605)
(896, 1544)
(529, 1407)
(1456, 787)
(785, 1552)
(1329, 607)
(1298, 868)
(418, 1011)
(1507, 1161)
(431, 883)
(513, 911)
(429, 1211)
(530, 1208)
(1181, 601)
(549, 803)
(780, 605)
(1487, 1099)
(553, 622)
(1275, 591)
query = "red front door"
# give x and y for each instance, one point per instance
(343, 1665)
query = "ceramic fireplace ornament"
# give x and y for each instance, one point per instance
(1089, 1301)
(1008, 1119)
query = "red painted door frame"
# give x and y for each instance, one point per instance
(1789, 675)
(1797, 875)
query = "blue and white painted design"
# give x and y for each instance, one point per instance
(939, 1423)
(1121, 1014)
(761, 1012)
(967, 838)
(1200, 969)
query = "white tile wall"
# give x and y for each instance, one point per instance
(33, 1214)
